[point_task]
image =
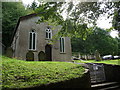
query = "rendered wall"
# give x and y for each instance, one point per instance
(21, 41)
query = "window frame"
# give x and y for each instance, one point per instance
(32, 40)
(48, 33)
(62, 44)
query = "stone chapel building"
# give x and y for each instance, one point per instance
(31, 41)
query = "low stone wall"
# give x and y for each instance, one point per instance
(112, 72)
(81, 82)
(108, 72)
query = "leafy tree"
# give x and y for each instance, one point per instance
(98, 39)
(101, 40)
(78, 45)
(116, 20)
(11, 11)
(75, 24)
(118, 45)
(78, 15)
(34, 5)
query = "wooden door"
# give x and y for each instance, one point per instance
(48, 52)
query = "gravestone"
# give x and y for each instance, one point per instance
(9, 52)
(97, 56)
(41, 56)
(30, 56)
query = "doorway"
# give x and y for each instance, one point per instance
(48, 52)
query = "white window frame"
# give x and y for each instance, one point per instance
(62, 45)
(49, 33)
(32, 44)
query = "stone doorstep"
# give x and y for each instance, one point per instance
(111, 88)
(103, 84)
(106, 86)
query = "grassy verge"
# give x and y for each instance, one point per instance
(21, 74)
(114, 62)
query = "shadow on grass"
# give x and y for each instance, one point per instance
(119, 62)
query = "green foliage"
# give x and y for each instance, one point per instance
(50, 12)
(21, 74)
(78, 45)
(98, 39)
(84, 12)
(118, 45)
(101, 40)
(11, 11)
(34, 5)
(78, 15)
(75, 25)
(116, 20)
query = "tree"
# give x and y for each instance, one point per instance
(118, 45)
(34, 5)
(101, 40)
(75, 24)
(78, 15)
(98, 39)
(11, 11)
(116, 20)
(78, 45)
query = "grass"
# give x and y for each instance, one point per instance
(22, 74)
(114, 62)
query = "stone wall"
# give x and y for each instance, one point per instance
(101, 72)
(112, 72)
(20, 42)
(81, 82)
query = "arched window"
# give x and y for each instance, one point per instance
(32, 40)
(48, 33)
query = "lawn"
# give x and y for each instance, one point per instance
(22, 74)
(114, 62)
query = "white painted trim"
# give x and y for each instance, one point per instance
(35, 41)
(32, 41)
(28, 41)
(61, 44)
(48, 32)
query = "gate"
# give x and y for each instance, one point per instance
(97, 73)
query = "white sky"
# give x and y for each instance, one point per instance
(102, 22)
(26, 2)
(114, 34)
